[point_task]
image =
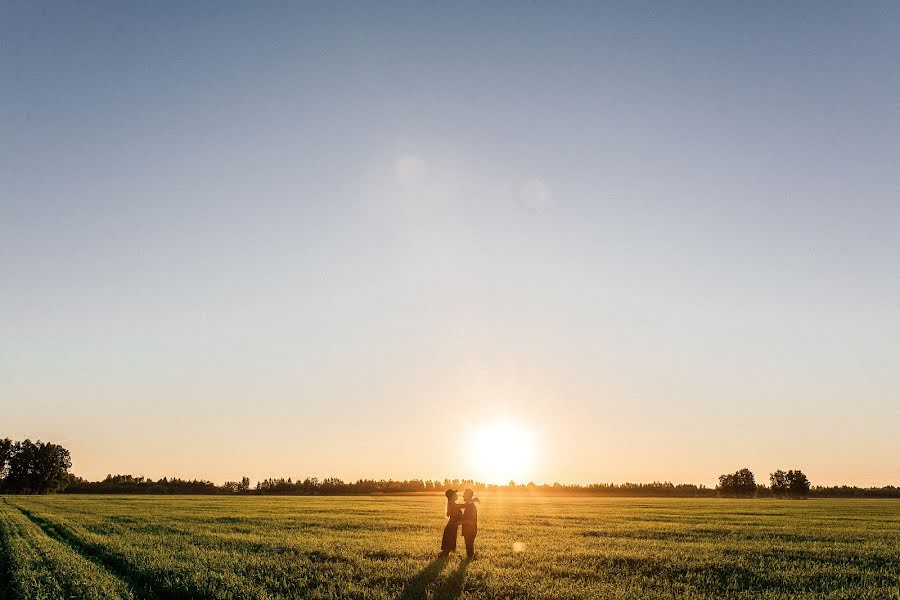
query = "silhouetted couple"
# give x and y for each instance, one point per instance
(465, 515)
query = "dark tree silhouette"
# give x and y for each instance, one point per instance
(33, 467)
(798, 484)
(778, 483)
(231, 487)
(6, 454)
(793, 484)
(739, 483)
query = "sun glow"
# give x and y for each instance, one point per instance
(501, 452)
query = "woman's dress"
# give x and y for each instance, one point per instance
(451, 529)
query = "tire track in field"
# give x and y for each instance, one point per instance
(5, 568)
(105, 560)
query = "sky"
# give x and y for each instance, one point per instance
(655, 241)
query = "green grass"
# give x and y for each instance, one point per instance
(379, 548)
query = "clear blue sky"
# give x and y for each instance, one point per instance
(336, 239)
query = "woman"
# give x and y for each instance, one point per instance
(451, 529)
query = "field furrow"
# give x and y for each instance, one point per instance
(38, 566)
(162, 568)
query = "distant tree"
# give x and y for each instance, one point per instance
(33, 467)
(793, 484)
(778, 483)
(739, 483)
(798, 484)
(244, 485)
(6, 454)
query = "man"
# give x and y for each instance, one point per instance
(469, 521)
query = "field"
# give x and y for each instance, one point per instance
(378, 548)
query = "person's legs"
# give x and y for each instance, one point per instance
(470, 546)
(448, 542)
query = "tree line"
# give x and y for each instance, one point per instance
(782, 484)
(332, 486)
(793, 483)
(38, 468)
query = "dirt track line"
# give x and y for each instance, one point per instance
(110, 563)
(5, 570)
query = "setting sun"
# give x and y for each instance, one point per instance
(501, 452)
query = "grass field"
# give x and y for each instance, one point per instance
(265, 547)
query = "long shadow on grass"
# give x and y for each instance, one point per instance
(415, 587)
(455, 584)
(451, 589)
(141, 587)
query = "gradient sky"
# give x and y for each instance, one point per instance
(336, 239)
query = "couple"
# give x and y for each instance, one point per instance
(465, 514)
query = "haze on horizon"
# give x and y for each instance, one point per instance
(339, 239)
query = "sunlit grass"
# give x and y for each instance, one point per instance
(379, 548)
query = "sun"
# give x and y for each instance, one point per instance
(501, 452)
